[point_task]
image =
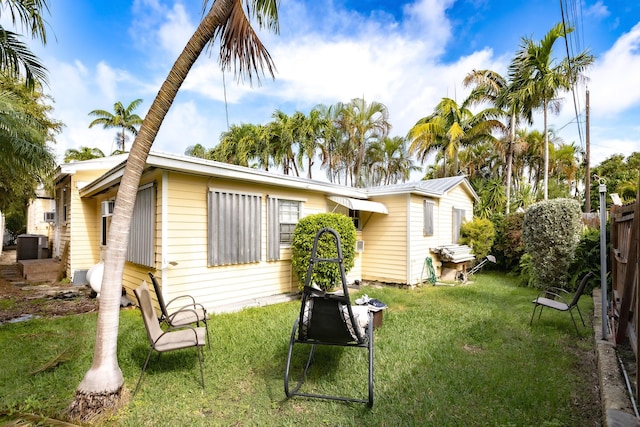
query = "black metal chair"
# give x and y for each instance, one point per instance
(329, 319)
(174, 313)
(557, 299)
(169, 340)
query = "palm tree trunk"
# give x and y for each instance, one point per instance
(510, 161)
(102, 384)
(546, 154)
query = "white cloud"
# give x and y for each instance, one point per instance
(598, 9)
(176, 31)
(614, 79)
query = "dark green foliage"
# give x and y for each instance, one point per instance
(326, 275)
(551, 231)
(509, 246)
(479, 234)
(621, 177)
(525, 276)
(588, 259)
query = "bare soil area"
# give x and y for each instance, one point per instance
(21, 299)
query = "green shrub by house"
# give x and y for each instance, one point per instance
(479, 235)
(551, 231)
(326, 275)
(508, 246)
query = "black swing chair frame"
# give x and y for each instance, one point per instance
(328, 319)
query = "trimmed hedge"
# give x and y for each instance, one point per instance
(326, 275)
(551, 231)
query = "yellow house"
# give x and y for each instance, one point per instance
(222, 232)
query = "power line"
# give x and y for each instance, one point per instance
(563, 6)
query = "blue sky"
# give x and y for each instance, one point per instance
(405, 54)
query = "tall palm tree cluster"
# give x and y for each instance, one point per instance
(507, 164)
(351, 140)
(491, 146)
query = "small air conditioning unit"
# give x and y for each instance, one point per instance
(107, 207)
(50, 216)
(359, 246)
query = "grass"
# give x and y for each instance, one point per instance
(444, 356)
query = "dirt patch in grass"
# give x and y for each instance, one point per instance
(23, 299)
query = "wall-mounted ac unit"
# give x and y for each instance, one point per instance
(359, 246)
(107, 207)
(50, 216)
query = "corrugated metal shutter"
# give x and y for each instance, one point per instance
(273, 229)
(141, 249)
(234, 228)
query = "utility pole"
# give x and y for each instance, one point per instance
(587, 160)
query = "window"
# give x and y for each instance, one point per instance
(141, 248)
(428, 226)
(458, 218)
(106, 223)
(234, 228)
(282, 216)
(289, 212)
(355, 217)
(62, 219)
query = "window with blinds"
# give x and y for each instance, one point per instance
(282, 218)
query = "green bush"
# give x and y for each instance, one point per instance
(551, 231)
(479, 235)
(587, 259)
(326, 275)
(509, 246)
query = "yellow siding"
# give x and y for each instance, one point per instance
(394, 252)
(385, 242)
(186, 270)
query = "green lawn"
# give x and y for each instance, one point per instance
(444, 356)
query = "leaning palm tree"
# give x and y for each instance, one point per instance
(537, 76)
(101, 387)
(124, 119)
(84, 153)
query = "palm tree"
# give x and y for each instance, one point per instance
(101, 387)
(330, 140)
(503, 94)
(310, 136)
(124, 119)
(361, 125)
(84, 153)
(451, 127)
(238, 146)
(25, 130)
(197, 150)
(388, 162)
(536, 76)
(283, 136)
(14, 54)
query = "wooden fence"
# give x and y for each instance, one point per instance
(625, 226)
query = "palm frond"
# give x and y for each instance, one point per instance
(240, 45)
